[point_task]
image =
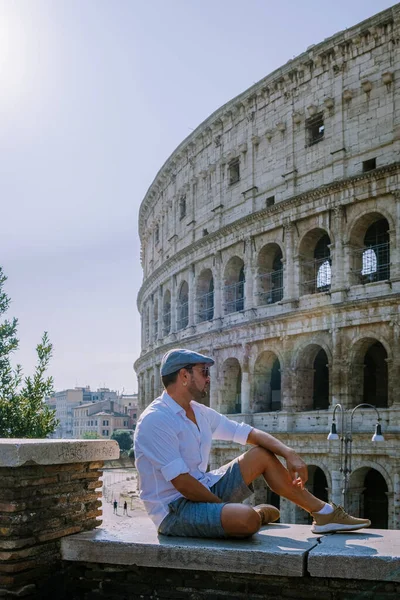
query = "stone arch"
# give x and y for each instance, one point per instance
(368, 494)
(182, 306)
(315, 262)
(369, 372)
(234, 280)
(267, 383)
(313, 377)
(205, 296)
(269, 283)
(369, 241)
(231, 386)
(166, 313)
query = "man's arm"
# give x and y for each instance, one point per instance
(193, 490)
(295, 465)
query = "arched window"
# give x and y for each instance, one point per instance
(182, 315)
(321, 381)
(234, 285)
(376, 376)
(270, 275)
(376, 255)
(322, 258)
(205, 296)
(167, 313)
(316, 272)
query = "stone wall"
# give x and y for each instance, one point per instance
(90, 581)
(42, 503)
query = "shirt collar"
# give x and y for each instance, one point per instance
(170, 402)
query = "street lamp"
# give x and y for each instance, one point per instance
(346, 441)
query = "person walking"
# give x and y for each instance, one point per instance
(115, 504)
(172, 446)
(125, 508)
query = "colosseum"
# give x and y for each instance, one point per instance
(271, 241)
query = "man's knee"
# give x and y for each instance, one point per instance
(240, 520)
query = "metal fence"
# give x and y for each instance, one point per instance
(234, 297)
(317, 275)
(374, 262)
(205, 304)
(271, 286)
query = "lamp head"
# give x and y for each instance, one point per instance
(378, 437)
(332, 435)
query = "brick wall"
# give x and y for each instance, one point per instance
(40, 504)
(111, 582)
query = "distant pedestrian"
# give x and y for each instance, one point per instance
(115, 504)
(125, 508)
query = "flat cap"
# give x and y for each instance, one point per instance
(178, 358)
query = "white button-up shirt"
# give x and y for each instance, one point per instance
(168, 444)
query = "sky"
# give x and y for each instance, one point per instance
(95, 95)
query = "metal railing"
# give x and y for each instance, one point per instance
(205, 304)
(166, 322)
(374, 262)
(234, 297)
(271, 286)
(317, 275)
(182, 315)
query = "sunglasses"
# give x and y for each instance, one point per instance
(204, 370)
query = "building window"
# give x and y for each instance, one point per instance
(157, 234)
(182, 207)
(270, 201)
(105, 423)
(369, 165)
(105, 432)
(125, 423)
(234, 171)
(315, 129)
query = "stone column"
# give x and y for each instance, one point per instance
(150, 308)
(396, 502)
(336, 495)
(338, 273)
(395, 243)
(218, 284)
(289, 291)
(50, 489)
(191, 297)
(160, 314)
(214, 385)
(173, 304)
(157, 381)
(245, 392)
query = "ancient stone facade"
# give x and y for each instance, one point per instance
(271, 240)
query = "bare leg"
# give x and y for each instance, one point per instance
(240, 520)
(259, 461)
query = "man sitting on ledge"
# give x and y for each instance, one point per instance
(172, 446)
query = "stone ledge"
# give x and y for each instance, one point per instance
(373, 555)
(20, 452)
(279, 549)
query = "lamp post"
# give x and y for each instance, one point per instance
(346, 441)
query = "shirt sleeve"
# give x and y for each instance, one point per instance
(158, 442)
(225, 429)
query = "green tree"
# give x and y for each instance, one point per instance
(23, 412)
(123, 438)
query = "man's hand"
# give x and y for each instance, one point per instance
(297, 469)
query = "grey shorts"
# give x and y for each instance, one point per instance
(203, 519)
